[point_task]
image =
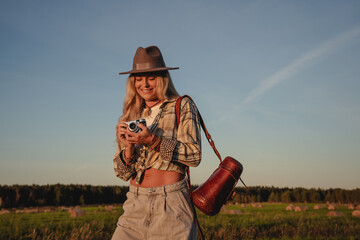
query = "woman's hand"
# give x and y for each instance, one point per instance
(144, 137)
(121, 131)
(121, 137)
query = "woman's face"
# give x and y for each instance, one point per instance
(145, 85)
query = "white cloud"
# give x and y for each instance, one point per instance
(307, 59)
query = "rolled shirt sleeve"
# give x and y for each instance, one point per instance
(122, 170)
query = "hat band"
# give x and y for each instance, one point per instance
(143, 66)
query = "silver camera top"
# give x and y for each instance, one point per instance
(133, 125)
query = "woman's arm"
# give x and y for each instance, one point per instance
(186, 148)
(124, 156)
(123, 170)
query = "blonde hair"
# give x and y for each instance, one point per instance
(134, 104)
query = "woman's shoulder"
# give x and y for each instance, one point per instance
(185, 102)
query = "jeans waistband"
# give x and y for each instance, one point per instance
(158, 190)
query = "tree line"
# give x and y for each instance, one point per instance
(15, 196)
(60, 195)
(298, 195)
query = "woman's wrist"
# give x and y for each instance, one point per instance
(150, 139)
(155, 143)
(128, 155)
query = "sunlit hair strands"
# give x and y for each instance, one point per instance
(134, 104)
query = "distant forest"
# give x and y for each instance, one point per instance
(15, 196)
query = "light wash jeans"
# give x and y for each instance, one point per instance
(157, 213)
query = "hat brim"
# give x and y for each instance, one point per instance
(149, 70)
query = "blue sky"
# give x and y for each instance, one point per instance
(277, 83)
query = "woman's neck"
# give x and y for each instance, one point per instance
(152, 103)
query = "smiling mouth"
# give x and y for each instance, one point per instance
(147, 90)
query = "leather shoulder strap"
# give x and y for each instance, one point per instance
(207, 134)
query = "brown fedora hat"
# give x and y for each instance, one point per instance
(148, 60)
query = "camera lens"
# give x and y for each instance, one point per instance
(132, 126)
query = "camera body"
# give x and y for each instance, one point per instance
(133, 125)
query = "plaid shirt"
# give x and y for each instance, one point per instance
(180, 146)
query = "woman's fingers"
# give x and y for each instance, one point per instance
(142, 137)
(121, 130)
(125, 135)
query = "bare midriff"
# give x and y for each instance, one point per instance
(154, 178)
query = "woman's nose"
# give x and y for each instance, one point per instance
(146, 82)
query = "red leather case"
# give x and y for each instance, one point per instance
(213, 193)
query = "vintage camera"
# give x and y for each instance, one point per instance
(133, 125)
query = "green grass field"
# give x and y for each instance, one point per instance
(270, 222)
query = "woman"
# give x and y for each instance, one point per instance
(158, 203)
